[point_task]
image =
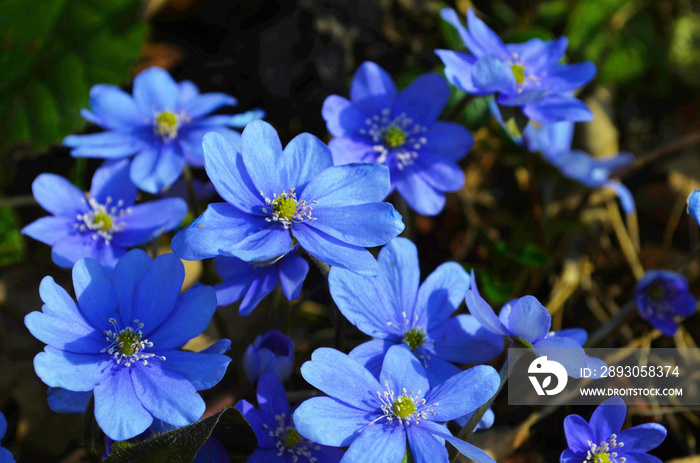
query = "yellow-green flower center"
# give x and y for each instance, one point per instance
(394, 136)
(656, 292)
(167, 124)
(102, 221)
(285, 207)
(601, 458)
(129, 342)
(518, 71)
(292, 438)
(403, 407)
(414, 338)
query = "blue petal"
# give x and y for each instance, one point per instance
(540, 56)
(96, 297)
(58, 302)
(399, 277)
(157, 293)
(259, 423)
(577, 334)
(115, 109)
(70, 249)
(225, 168)
(567, 456)
(468, 450)
(463, 393)
(219, 347)
(635, 457)
(353, 293)
(449, 140)
(419, 193)
(522, 98)
(335, 252)
(329, 421)
(65, 334)
(64, 401)
(302, 160)
(442, 174)
(339, 376)
(155, 91)
(529, 319)
(187, 92)
(371, 354)
(438, 370)
(608, 418)
(458, 71)
(202, 105)
(109, 145)
(642, 438)
(237, 121)
(191, 142)
(403, 371)
(49, 230)
(492, 74)
(474, 46)
(482, 311)
(118, 410)
(487, 38)
(203, 370)
(694, 205)
(126, 275)
(557, 108)
(262, 155)
(352, 148)
(272, 398)
(463, 340)
(76, 372)
(341, 116)
(258, 289)
(147, 221)
(166, 394)
(565, 351)
(213, 451)
(425, 447)
(424, 99)
(191, 315)
(111, 180)
(58, 196)
(348, 185)
(366, 225)
(157, 167)
(224, 230)
(578, 434)
(550, 138)
(441, 293)
(565, 78)
(238, 276)
(372, 89)
(378, 443)
(291, 273)
(624, 195)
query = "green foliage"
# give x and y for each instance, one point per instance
(182, 445)
(495, 290)
(52, 53)
(11, 243)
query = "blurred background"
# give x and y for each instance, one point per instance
(286, 57)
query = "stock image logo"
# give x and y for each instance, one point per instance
(541, 371)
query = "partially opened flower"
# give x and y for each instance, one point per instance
(5, 455)
(103, 224)
(392, 308)
(121, 342)
(602, 441)
(527, 75)
(400, 130)
(162, 126)
(378, 418)
(272, 352)
(663, 295)
(277, 198)
(278, 438)
(249, 282)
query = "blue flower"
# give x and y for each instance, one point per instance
(120, 341)
(376, 417)
(5, 455)
(662, 295)
(252, 282)
(103, 224)
(392, 308)
(400, 130)
(694, 205)
(601, 440)
(525, 74)
(162, 126)
(276, 198)
(527, 322)
(272, 352)
(554, 142)
(278, 438)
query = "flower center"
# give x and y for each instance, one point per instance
(396, 140)
(167, 124)
(518, 71)
(286, 209)
(656, 292)
(414, 338)
(103, 219)
(605, 451)
(292, 438)
(290, 441)
(407, 408)
(128, 344)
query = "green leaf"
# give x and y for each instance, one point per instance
(182, 445)
(477, 113)
(495, 290)
(11, 243)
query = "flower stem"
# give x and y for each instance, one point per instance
(611, 325)
(458, 108)
(191, 192)
(88, 422)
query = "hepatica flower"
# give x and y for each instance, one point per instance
(400, 130)
(392, 308)
(527, 322)
(527, 74)
(602, 441)
(5, 455)
(162, 126)
(278, 438)
(104, 223)
(277, 198)
(553, 141)
(250, 282)
(376, 418)
(661, 296)
(272, 352)
(120, 341)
